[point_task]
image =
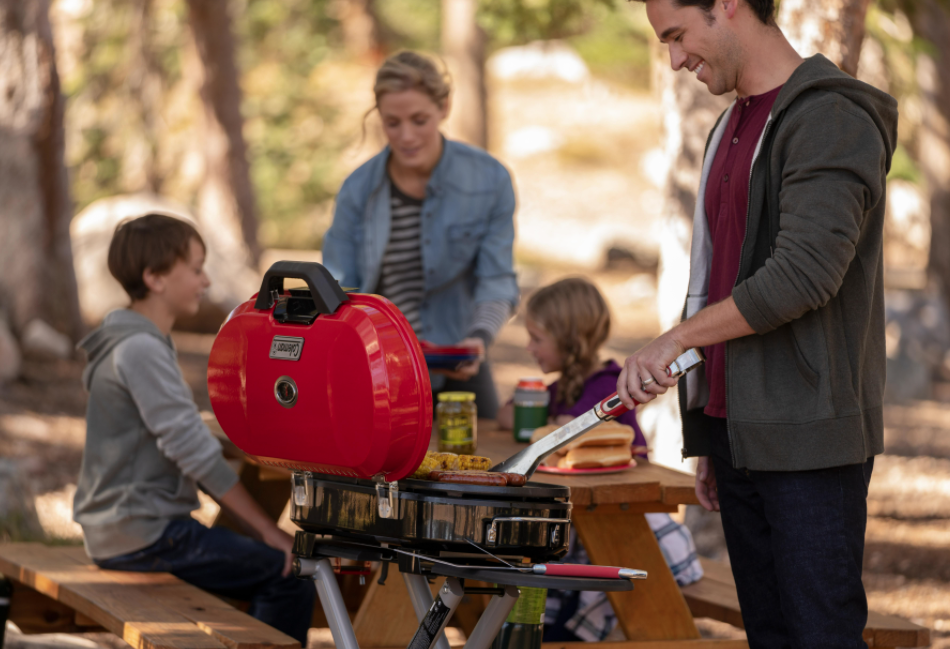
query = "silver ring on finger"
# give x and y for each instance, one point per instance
(644, 384)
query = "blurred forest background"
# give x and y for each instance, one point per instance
(246, 116)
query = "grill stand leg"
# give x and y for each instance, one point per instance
(331, 600)
(422, 600)
(489, 624)
(432, 626)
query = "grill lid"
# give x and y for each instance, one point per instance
(319, 380)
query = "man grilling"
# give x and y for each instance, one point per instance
(785, 295)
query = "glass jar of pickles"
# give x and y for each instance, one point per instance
(457, 421)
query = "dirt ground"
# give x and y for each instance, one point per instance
(907, 558)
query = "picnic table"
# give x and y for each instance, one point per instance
(607, 514)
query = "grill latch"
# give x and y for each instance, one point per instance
(387, 498)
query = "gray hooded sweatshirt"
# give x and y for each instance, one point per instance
(147, 448)
(806, 390)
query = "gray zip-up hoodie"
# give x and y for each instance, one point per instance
(806, 390)
(146, 446)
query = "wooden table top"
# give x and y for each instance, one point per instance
(646, 487)
(645, 483)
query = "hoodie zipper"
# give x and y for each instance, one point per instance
(748, 212)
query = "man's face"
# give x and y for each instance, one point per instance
(700, 42)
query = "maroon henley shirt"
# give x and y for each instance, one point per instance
(727, 201)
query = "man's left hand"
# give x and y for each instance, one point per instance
(644, 374)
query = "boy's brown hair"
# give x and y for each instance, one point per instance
(151, 242)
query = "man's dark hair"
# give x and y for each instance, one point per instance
(153, 242)
(763, 9)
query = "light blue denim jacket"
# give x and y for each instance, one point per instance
(467, 236)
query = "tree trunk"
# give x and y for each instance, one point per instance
(362, 32)
(463, 45)
(689, 113)
(833, 27)
(226, 204)
(146, 84)
(36, 264)
(932, 22)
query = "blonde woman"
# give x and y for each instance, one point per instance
(428, 223)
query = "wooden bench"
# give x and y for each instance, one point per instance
(58, 589)
(715, 596)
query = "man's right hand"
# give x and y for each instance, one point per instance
(706, 485)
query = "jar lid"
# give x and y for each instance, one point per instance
(531, 383)
(457, 396)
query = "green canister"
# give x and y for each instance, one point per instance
(524, 627)
(531, 407)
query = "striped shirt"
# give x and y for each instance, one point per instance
(401, 278)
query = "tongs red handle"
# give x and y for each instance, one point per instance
(612, 407)
(589, 572)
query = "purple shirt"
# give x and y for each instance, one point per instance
(727, 201)
(598, 386)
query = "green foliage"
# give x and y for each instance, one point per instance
(108, 56)
(521, 21)
(121, 139)
(289, 115)
(416, 22)
(903, 167)
(616, 46)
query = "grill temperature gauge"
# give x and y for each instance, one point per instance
(286, 391)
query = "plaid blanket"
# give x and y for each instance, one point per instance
(592, 618)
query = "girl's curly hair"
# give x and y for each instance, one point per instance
(574, 312)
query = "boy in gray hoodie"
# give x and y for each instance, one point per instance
(147, 450)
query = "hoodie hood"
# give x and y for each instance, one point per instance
(116, 327)
(818, 73)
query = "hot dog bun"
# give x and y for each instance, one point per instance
(590, 457)
(609, 433)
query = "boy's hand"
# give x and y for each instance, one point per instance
(239, 502)
(281, 540)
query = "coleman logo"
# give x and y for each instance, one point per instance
(286, 348)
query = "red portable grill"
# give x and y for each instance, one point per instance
(334, 386)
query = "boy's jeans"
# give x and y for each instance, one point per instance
(225, 563)
(796, 542)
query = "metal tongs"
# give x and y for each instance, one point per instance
(526, 461)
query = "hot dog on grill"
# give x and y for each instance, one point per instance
(470, 477)
(479, 478)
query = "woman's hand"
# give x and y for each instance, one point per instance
(465, 371)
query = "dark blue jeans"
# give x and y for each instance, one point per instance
(796, 544)
(225, 563)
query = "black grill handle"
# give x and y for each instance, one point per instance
(325, 291)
